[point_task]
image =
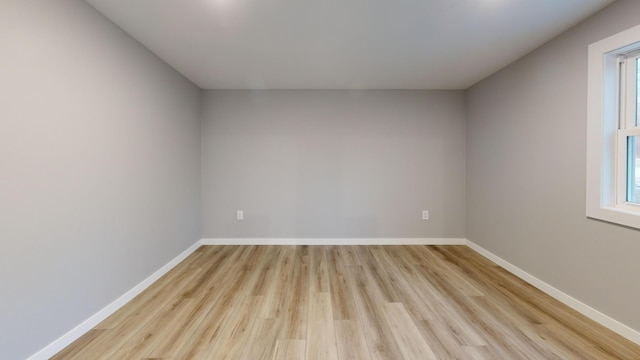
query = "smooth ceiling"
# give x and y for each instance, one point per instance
(343, 44)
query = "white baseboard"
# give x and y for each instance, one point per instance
(333, 241)
(85, 326)
(584, 309)
(95, 319)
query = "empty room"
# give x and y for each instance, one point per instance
(243, 179)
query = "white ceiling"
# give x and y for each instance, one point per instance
(343, 44)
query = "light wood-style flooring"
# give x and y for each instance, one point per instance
(345, 302)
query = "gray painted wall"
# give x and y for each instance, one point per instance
(333, 163)
(99, 168)
(100, 158)
(526, 173)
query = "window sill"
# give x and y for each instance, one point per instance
(616, 215)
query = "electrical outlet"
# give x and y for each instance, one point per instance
(240, 215)
(425, 214)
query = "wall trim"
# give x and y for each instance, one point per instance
(333, 241)
(586, 310)
(75, 333)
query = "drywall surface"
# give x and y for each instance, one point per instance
(99, 168)
(333, 164)
(526, 173)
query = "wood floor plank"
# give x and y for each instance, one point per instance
(442, 341)
(442, 317)
(296, 295)
(345, 302)
(270, 255)
(441, 334)
(235, 333)
(348, 254)
(377, 275)
(350, 340)
(262, 340)
(290, 350)
(318, 268)
(341, 294)
(481, 353)
(438, 265)
(566, 347)
(224, 298)
(398, 274)
(517, 343)
(411, 343)
(175, 342)
(369, 302)
(279, 284)
(321, 328)
(138, 345)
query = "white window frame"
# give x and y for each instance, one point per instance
(610, 109)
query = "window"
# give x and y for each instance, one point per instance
(613, 129)
(628, 156)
